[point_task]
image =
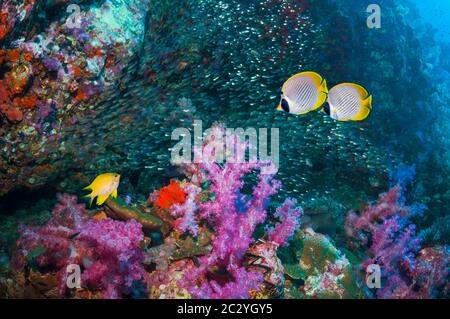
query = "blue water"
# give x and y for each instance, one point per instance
(437, 14)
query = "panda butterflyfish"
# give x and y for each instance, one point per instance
(348, 102)
(303, 93)
(103, 186)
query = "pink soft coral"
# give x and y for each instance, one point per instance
(388, 205)
(184, 213)
(289, 217)
(234, 217)
(244, 281)
(107, 251)
(392, 243)
(118, 261)
(426, 279)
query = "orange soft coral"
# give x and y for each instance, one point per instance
(6, 108)
(5, 28)
(170, 195)
(26, 102)
(18, 78)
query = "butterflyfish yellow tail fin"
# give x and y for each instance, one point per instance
(368, 102)
(101, 199)
(324, 87)
(365, 110)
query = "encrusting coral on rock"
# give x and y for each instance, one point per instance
(54, 68)
(319, 270)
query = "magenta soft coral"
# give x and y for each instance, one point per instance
(392, 244)
(289, 221)
(239, 288)
(233, 230)
(388, 205)
(107, 251)
(184, 213)
(118, 260)
(426, 279)
(234, 217)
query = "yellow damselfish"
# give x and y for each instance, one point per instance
(103, 186)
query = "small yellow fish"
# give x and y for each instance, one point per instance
(303, 93)
(348, 102)
(103, 186)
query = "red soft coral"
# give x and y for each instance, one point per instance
(12, 113)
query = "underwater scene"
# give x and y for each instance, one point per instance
(224, 149)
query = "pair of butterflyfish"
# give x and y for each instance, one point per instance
(307, 91)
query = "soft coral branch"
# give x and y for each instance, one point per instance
(107, 251)
(289, 217)
(234, 217)
(385, 228)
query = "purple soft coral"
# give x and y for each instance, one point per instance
(388, 205)
(116, 246)
(107, 251)
(394, 245)
(185, 213)
(234, 217)
(244, 281)
(289, 217)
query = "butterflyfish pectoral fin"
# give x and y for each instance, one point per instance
(101, 199)
(114, 193)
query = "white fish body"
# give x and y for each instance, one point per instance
(303, 93)
(349, 102)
